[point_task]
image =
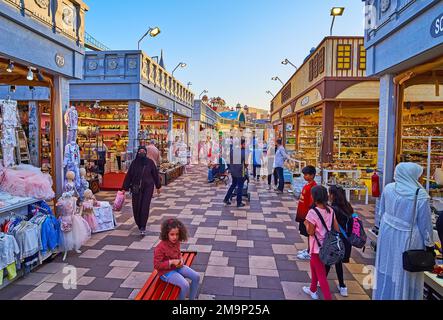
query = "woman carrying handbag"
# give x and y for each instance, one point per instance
(141, 179)
(406, 234)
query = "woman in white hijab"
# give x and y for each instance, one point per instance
(397, 212)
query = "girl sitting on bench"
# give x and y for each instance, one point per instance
(168, 260)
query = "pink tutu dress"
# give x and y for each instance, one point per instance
(75, 231)
(26, 181)
(89, 215)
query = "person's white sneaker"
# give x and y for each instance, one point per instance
(304, 255)
(343, 291)
(308, 291)
(269, 188)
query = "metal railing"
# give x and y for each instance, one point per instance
(93, 44)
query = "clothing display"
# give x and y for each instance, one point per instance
(9, 122)
(9, 250)
(104, 217)
(26, 181)
(75, 231)
(88, 214)
(71, 161)
(71, 121)
(84, 185)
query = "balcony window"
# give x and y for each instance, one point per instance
(344, 56)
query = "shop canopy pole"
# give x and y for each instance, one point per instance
(429, 165)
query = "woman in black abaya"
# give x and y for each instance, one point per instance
(141, 179)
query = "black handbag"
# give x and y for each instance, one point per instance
(136, 188)
(417, 260)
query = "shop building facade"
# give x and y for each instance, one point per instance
(327, 113)
(46, 39)
(128, 93)
(404, 41)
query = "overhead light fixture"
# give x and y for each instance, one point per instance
(337, 11)
(421, 106)
(12, 88)
(10, 67)
(153, 32)
(286, 62)
(32, 88)
(40, 75)
(157, 110)
(30, 75)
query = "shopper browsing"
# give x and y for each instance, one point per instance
(317, 233)
(343, 213)
(238, 170)
(304, 205)
(400, 203)
(280, 157)
(168, 260)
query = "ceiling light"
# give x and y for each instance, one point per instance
(40, 76)
(10, 67)
(30, 75)
(12, 88)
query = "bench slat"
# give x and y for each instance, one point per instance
(157, 289)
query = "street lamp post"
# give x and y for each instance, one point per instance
(204, 92)
(180, 65)
(277, 79)
(153, 32)
(336, 12)
(269, 92)
(286, 62)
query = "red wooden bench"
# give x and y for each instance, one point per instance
(156, 289)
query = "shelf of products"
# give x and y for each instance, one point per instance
(418, 124)
(358, 132)
(310, 139)
(291, 134)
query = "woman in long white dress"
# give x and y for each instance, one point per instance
(397, 212)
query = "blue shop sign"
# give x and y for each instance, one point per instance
(437, 27)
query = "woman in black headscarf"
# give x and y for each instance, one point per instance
(141, 179)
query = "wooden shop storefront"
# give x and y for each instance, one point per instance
(329, 108)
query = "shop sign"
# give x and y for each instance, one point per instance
(437, 27)
(162, 102)
(305, 101)
(287, 111)
(60, 60)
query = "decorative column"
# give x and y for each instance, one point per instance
(34, 123)
(60, 99)
(133, 125)
(386, 134)
(328, 132)
(170, 135)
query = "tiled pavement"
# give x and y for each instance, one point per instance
(242, 253)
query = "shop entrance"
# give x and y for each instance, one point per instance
(420, 123)
(34, 134)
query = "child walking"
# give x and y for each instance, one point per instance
(343, 212)
(317, 232)
(304, 205)
(168, 260)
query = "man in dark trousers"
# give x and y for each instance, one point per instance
(238, 168)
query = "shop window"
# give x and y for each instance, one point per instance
(344, 56)
(321, 61)
(311, 71)
(286, 94)
(315, 66)
(362, 58)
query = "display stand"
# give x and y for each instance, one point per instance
(355, 174)
(105, 217)
(19, 208)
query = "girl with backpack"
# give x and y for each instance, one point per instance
(343, 211)
(317, 234)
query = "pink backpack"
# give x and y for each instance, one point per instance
(119, 201)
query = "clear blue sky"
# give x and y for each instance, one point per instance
(232, 47)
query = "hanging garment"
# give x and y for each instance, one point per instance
(84, 185)
(89, 215)
(9, 249)
(10, 121)
(71, 121)
(71, 161)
